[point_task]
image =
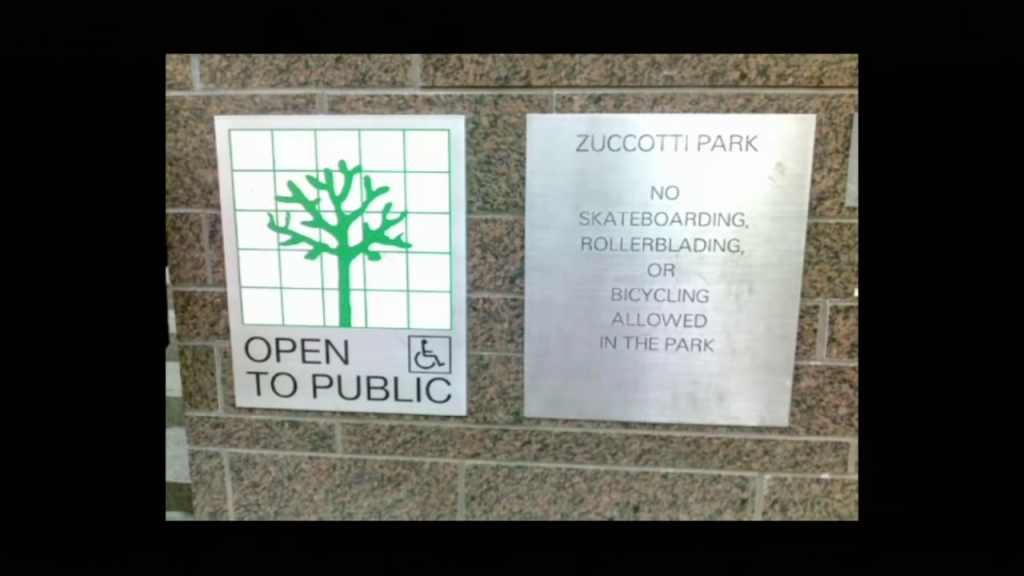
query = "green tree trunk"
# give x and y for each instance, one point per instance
(344, 293)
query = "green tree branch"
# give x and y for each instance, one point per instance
(371, 195)
(295, 237)
(379, 235)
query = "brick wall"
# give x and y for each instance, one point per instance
(496, 464)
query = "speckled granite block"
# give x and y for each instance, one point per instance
(524, 445)
(201, 315)
(209, 493)
(843, 333)
(807, 332)
(305, 70)
(831, 143)
(227, 375)
(480, 70)
(497, 255)
(306, 488)
(198, 377)
(228, 386)
(810, 499)
(831, 260)
(186, 252)
(495, 389)
(191, 154)
(216, 238)
(178, 69)
(496, 324)
(546, 493)
(295, 435)
(495, 133)
(825, 401)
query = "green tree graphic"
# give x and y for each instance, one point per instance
(344, 252)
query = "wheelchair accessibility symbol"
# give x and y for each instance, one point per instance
(430, 354)
(426, 359)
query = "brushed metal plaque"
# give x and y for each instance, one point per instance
(664, 258)
(852, 169)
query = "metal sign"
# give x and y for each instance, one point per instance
(345, 251)
(664, 256)
(852, 170)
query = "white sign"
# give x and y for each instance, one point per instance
(345, 251)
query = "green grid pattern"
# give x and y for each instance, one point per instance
(366, 279)
(319, 170)
(280, 267)
(323, 273)
(408, 238)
